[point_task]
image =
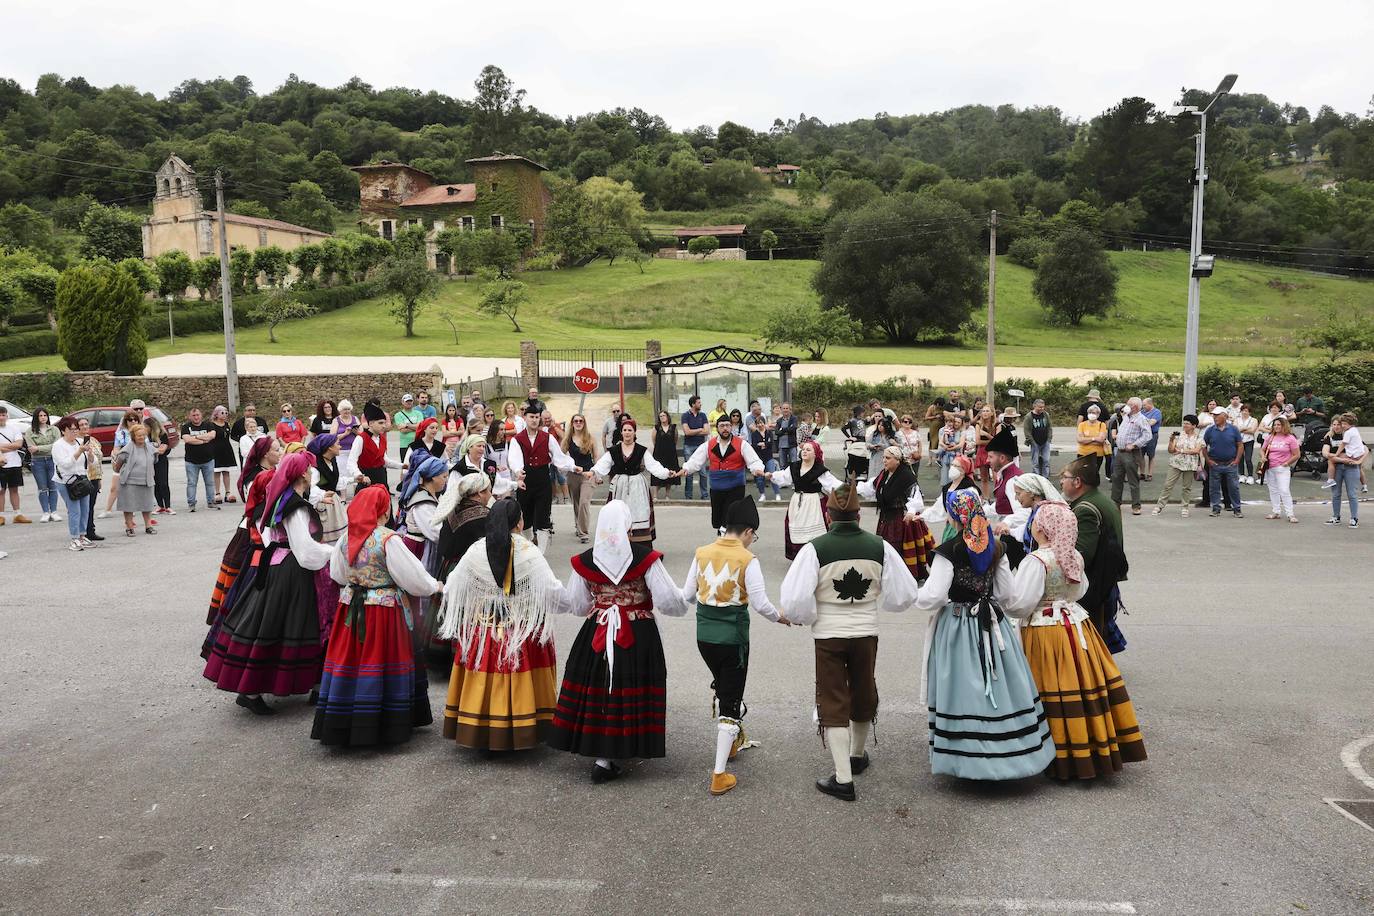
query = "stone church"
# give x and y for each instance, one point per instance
(180, 222)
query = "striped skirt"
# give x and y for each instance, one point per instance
(369, 691)
(626, 720)
(983, 727)
(497, 710)
(912, 540)
(234, 557)
(1086, 704)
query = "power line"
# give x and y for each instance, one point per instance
(102, 165)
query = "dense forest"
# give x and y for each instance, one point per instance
(1286, 185)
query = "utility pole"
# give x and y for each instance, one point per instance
(1194, 284)
(231, 363)
(989, 398)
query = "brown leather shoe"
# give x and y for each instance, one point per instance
(23, 520)
(722, 783)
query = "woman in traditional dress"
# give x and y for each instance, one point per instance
(427, 438)
(370, 692)
(811, 484)
(461, 519)
(899, 512)
(263, 456)
(327, 499)
(985, 716)
(270, 639)
(1029, 494)
(614, 697)
(625, 463)
(498, 608)
(418, 520)
(1090, 714)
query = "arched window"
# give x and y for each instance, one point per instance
(166, 186)
(178, 185)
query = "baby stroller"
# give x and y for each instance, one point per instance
(1310, 452)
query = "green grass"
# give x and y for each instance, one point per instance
(1249, 312)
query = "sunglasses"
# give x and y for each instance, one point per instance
(489, 415)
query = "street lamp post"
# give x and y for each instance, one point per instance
(1199, 266)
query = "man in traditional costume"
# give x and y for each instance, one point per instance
(1102, 545)
(724, 582)
(367, 455)
(837, 584)
(1002, 453)
(729, 460)
(529, 455)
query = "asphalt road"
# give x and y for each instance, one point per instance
(129, 785)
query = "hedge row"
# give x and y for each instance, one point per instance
(52, 390)
(1347, 386)
(42, 342)
(203, 317)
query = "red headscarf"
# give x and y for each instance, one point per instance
(425, 424)
(363, 516)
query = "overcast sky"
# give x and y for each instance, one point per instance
(707, 62)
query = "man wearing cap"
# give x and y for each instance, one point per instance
(529, 455)
(836, 584)
(1223, 450)
(725, 581)
(405, 421)
(729, 460)
(1094, 400)
(1002, 454)
(1133, 436)
(1099, 531)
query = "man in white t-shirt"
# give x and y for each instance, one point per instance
(1346, 468)
(11, 465)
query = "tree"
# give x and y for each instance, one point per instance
(175, 273)
(249, 208)
(463, 248)
(567, 226)
(111, 233)
(37, 285)
(144, 275)
(280, 306)
(1074, 278)
(126, 338)
(498, 251)
(1342, 332)
(503, 298)
(730, 181)
(808, 188)
(703, 245)
(768, 241)
(450, 318)
(272, 262)
(242, 277)
(613, 205)
(810, 327)
(497, 110)
(100, 320)
(24, 227)
(306, 205)
(851, 194)
(205, 275)
(411, 284)
(908, 265)
(306, 259)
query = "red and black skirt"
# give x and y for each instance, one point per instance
(910, 539)
(235, 556)
(600, 717)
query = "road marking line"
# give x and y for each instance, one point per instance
(575, 885)
(1350, 756)
(1344, 813)
(1013, 904)
(7, 859)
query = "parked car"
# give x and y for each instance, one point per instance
(105, 420)
(17, 413)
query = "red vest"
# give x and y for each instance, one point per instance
(733, 460)
(536, 453)
(374, 451)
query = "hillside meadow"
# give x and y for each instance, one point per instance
(1249, 312)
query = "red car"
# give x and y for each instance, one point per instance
(105, 420)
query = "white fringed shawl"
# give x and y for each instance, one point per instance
(475, 606)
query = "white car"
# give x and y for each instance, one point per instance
(17, 413)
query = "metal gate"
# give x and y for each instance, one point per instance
(556, 368)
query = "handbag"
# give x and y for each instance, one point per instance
(78, 487)
(1263, 462)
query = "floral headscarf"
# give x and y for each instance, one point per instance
(1059, 527)
(966, 508)
(1037, 485)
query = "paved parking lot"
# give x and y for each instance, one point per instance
(129, 785)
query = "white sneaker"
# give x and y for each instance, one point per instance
(1329, 485)
(105, 513)
(54, 517)
(43, 517)
(86, 542)
(75, 545)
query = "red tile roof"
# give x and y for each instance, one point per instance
(261, 223)
(503, 157)
(709, 230)
(784, 167)
(442, 194)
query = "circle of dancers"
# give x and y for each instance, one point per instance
(329, 590)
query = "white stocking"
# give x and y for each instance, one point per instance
(838, 740)
(858, 737)
(726, 732)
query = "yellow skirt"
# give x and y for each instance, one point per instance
(1086, 704)
(502, 710)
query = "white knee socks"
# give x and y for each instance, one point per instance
(726, 732)
(858, 737)
(838, 741)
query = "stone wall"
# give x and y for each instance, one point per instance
(178, 394)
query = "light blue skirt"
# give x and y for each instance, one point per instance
(986, 721)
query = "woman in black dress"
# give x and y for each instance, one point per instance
(223, 450)
(323, 421)
(666, 451)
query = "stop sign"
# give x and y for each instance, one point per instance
(586, 380)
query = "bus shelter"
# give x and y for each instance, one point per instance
(733, 373)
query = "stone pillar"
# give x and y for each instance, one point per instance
(653, 349)
(529, 364)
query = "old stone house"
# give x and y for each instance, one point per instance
(506, 191)
(180, 222)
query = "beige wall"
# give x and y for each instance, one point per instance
(162, 234)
